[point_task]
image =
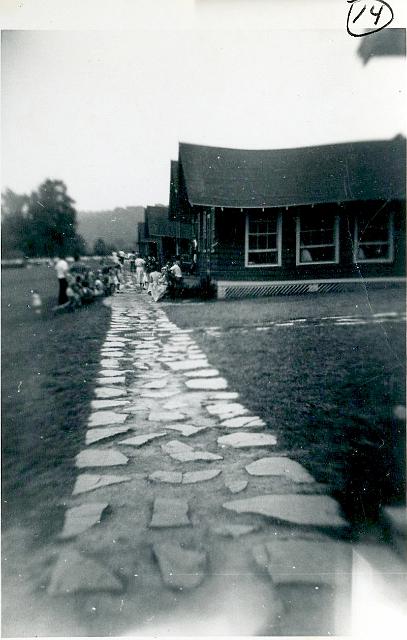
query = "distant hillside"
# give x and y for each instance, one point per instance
(117, 227)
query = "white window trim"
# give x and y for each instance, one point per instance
(298, 248)
(390, 242)
(279, 245)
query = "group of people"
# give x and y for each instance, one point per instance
(79, 284)
(155, 280)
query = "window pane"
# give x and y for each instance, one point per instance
(263, 257)
(272, 241)
(253, 242)
(374, 252)
(263, 225)
(316, 222)
(318, 254)
(324, 236)
(262, 242)
(374, 227)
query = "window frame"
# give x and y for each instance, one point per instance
(390, 243)
(298, 248)
(279, 245)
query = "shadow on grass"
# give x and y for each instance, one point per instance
(374, 470)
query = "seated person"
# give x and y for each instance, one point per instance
(175, 273)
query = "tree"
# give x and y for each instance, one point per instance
(77, 246)
(43, 224)
(100, 248)
(51, 220)
(13, 224)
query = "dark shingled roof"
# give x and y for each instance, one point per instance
(158, 224)
(372, 170)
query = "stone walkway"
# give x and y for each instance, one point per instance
(183, 518)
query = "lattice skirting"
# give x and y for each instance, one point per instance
(254, 289)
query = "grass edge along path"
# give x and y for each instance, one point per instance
(49, 366)
(328, 392)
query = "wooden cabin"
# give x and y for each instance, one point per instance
(164, 238)
(294, 220)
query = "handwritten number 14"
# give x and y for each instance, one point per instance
(379, 10)
(373, 13)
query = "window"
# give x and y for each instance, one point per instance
(263, 240)
(374, 237)
(317, 239)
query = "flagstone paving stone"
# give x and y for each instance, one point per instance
(234, 530)
(110, 373)
(185, 429)
(100, 418)
(223, 395)
(95, 435)
(75, 572)
(236, 486)
(305, 561)
(185, 365)
(109, 363)
(242, 421)
(156, 375)
(104, 404)
(138, 441)
(170, 513)
(206, 383)
(245, 439)
(144, 405)
(112, 351)
(100, 458)
(184, 453)
(115, 380)
(202, 373)
(156, 384)
(141, 366)
(90, 481)
(191, 477)
(187, 398)
(227, 410)
(82, 518)
(172, 477)
(313, 510)
(278, 466)
(106, 392)
(179, 567)
(166, 416)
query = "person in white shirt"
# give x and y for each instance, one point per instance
(140, 271)
(175, 277)
(62, 268)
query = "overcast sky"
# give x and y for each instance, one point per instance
(104, 110)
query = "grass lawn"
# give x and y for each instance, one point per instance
(49, 364)
(327, 391)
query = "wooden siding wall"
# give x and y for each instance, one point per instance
(227, 259)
